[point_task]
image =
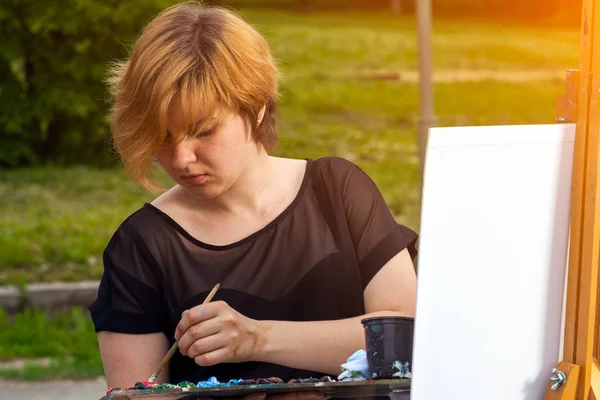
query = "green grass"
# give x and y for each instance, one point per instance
(54, 223)
(34, 334)
(57, 369)
(333, 41)
(66, 338)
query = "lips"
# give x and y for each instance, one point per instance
(194, 179)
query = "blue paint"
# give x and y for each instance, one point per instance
(202, 311)
(211, 382)
(214, 382)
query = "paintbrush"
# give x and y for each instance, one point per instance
(171, 351)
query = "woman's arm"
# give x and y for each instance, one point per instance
(128, 359)
(325, 345)
(215, 333)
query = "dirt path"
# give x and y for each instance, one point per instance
(64, 390)
(470, 75)
(439, 76)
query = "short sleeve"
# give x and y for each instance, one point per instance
(129, 296)
(376, 235)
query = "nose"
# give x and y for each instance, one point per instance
(183, 155)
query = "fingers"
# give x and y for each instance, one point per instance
(196, 315)
(198, 332)
(214, 357)
(201, 346)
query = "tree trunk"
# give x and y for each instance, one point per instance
(48, 147)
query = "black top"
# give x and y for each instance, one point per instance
(310, 263)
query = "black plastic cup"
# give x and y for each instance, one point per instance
(389, 346)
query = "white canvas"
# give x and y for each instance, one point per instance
(493, 255)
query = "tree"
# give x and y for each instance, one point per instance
(53, 59)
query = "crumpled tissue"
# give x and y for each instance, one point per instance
(356, 368)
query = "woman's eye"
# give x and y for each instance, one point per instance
(203, 133)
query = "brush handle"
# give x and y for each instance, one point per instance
(173, 348)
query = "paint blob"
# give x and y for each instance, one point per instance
(402, 371)
(212, 382)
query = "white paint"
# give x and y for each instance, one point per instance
(493, 254)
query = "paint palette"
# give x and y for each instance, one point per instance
(346, 389)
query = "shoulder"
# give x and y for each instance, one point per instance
(339, 172)
(141, 227)
(150, 219)
(334, 164)
(138, 245)
(166, 199)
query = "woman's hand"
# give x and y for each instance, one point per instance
(215, 333)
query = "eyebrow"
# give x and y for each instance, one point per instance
(195, 126)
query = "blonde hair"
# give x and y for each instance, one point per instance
(209, 60)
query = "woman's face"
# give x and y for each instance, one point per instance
(211, 162)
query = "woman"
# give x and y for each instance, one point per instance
(303, 249)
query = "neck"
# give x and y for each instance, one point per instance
(251, 191)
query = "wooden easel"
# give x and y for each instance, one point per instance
(578, 375)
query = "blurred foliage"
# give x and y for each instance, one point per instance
(54, 55)
(53, 59)
(566, 10)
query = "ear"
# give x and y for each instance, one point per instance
(261, 115)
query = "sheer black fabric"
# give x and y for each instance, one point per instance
(311, 263)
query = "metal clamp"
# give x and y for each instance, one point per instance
(558, 377)
(566, 103)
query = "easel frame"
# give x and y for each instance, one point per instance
(577, 377)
